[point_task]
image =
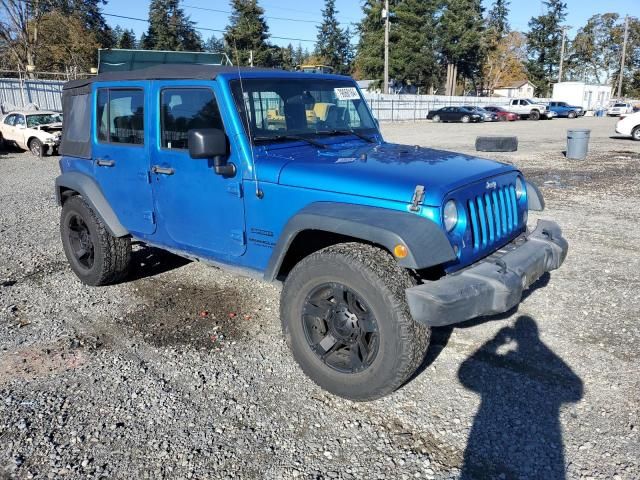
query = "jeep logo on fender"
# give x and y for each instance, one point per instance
(491, 185)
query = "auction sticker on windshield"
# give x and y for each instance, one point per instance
(346, 93)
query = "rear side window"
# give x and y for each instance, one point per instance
(120, 116)
(185, 109)
(10, 120)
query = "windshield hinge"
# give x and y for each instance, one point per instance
(418, 197)
(235, 189)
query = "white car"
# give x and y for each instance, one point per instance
(527, 108)
(629, 126)
(35, 130)
(619, 108)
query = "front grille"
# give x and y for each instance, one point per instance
(493, 216)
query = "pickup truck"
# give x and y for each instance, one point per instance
(526, 108)
(286, 177)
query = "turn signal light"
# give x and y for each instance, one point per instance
(400, 251)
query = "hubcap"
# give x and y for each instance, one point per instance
(340, 328)
(80, 242)
(35, 148)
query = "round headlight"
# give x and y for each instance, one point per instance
(520, 188)
(450, 215)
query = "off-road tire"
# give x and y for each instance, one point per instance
(436, 119)
(37, 148)
(381, 282)
(635, 134)
(465, 119)
(534, 115)
(112, 255)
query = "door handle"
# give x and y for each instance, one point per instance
(101, 162)
(162, 170)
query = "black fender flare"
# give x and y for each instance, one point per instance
(91, 192)
(426, 242)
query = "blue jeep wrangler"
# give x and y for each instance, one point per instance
(285, 176)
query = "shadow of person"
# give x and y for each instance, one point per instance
(522, 383)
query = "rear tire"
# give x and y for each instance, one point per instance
(346, 320)
(95, 256)
(534, 115)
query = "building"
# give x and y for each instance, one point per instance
(520, 89)
(588, 96)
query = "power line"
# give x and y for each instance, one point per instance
(207, 29)
(266, 16)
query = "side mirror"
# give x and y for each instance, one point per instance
(211, 143)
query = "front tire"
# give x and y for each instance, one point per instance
(36, 148)
(572, 114)
(465, 119)
(95, 256)
(635, 134)
(436, 119)
(534, 115)
(346, 320)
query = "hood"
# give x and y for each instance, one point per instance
(387, 171)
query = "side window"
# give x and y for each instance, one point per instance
(10, 120)
(184, 109)
(120, 116)
(19, 120)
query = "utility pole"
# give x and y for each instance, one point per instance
(624, 54)
(385, 15)
(251, 58)
(564, 32)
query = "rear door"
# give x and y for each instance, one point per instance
(199, 210)
(8, 128)
(121, 153)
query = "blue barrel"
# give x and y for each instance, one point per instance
(578, 143)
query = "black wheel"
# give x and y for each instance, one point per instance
(95, 256)
(436, 118)
(572, 114)
(635, 134)
(346, 320)
(534, 115)
(36, 147)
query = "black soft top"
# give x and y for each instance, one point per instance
(175, 71)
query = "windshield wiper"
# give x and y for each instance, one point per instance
(347, 132)
(276, 138)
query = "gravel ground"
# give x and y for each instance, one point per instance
(182, 372)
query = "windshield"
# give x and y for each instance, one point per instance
(41, 119)
(276, 107)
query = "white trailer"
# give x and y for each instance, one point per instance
(586, 95)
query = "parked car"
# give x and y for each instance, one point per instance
(619, 108)
(487, 116)
(629, 126)
(454, 114)
(36, 131)
(503, 114)
(526, 108)
(373, 243)
(563, 109)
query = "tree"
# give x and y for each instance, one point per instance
(214, 45)
(287, 56)
(89, 13)
(497, 19)
(247, 34)
(127, 40)
(505, 62)
(369, 61)
(413, 58)
(70, 46)
(298, 56)
(461, 35)
(544, 41)
(19, 30)
(170, 28)
(333, 46)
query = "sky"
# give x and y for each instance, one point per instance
(295, 21)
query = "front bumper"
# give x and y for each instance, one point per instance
(493, 285)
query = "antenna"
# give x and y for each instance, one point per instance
(259, 193)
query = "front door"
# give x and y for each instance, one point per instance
(199, 210)
(121, 154)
